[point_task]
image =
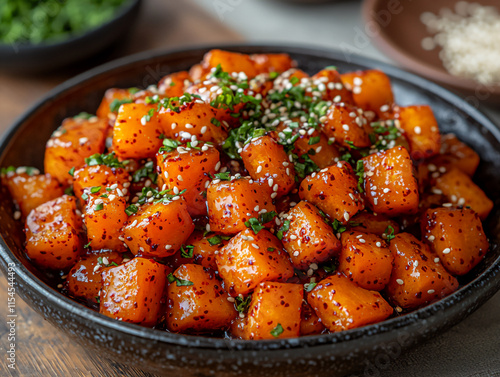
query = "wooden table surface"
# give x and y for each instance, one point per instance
(43, 351)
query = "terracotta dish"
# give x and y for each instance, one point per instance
(397, 30)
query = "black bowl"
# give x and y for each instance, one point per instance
(31, 58)
(181, 355)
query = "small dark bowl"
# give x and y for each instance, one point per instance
(181, 355)
(31, 58)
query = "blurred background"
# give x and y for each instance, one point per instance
(393, 31)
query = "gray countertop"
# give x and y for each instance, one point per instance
(472, 348)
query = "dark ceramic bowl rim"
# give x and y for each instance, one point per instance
(201, 342)
(76, 38)
(428, 70)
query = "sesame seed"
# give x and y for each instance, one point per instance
(179, 177)
(346, 216)
(447, 250)
(296, 254)
(274, 195)
(345, 127)
(293, 237)
(400, 281)
(217, 166)
(436, 191)
(417, 130)
(275, 187)
(431, 291)
(431, 238)
(386, 190)
(378, 244)
(17, 215)
(230, 299)
(357, 81)
(436, 260)
(255, 246)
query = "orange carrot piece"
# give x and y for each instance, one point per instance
(334, 191)
(249, 259)
(309, 238)
(366, 260)
(274, 311)
(197, 302)
(52, 234)
(133, 291)
(342, 305)
(390, 186)
(457, 237)
(460, 190)
(417, 279)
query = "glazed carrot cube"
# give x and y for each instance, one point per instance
(199, 249)
(319, 149)
(205, 248)
(193, 119)
(456, 154)
(84, 280)
(174, 84)
(137, 131)
(310, 323)
(197, 302)
(104, 216)
(309, 239)
(132, 292)
(52, 234)
(99, 176)
(370, 223)
(274, 311)
(459, 189)
(31, 190)
(346, 126)
(190, 170)
(267, 162)
(250, 259)
(416, 278)
(230, 62)
(68, 147)
(390, 186)
(366, 260)
(232, 203)
(371, 89)
(265, 63)
(158, 229)
(342, 305)
(457, 237)
(421, 130)
(334, 191)
(116, 97)
(329, 84)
